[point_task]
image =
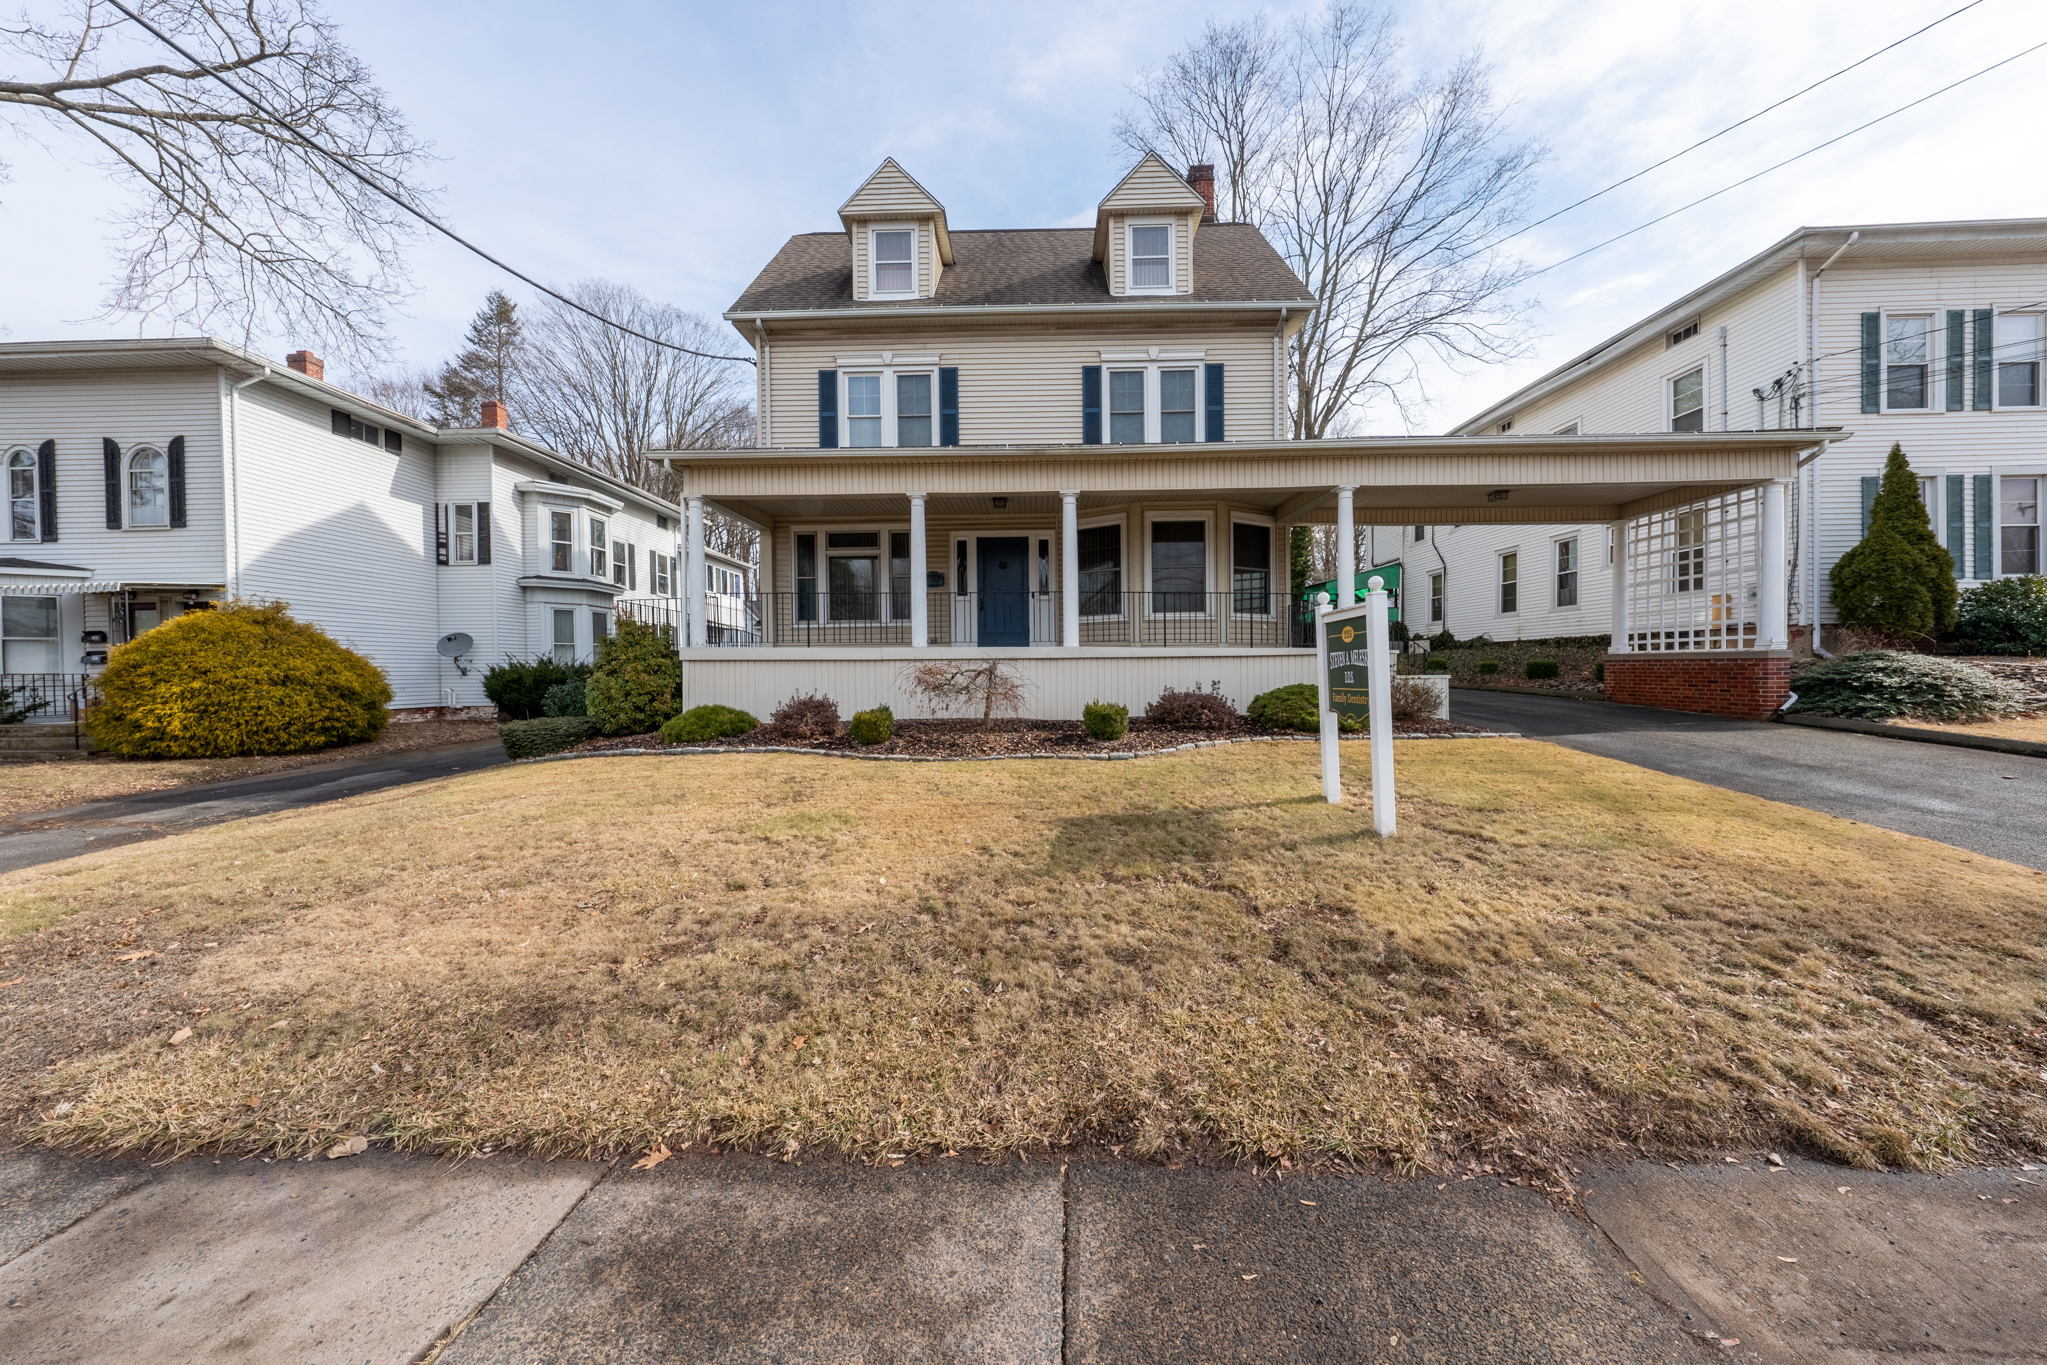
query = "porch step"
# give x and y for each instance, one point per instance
(34, 740)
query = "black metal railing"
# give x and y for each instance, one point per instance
(50, 698)
(729, 620)
(1161, 617)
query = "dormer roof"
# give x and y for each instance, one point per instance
(1151, 187)
(892, 192)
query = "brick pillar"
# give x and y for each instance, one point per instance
(1748, 685)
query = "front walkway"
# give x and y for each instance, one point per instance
(1992, 804)
(737, 1258)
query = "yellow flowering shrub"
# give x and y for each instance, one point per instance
(242, 678)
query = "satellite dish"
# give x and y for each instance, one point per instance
(454, 645)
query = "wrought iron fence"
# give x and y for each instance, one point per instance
(1163, 617)
(729, 620)
(48, 698)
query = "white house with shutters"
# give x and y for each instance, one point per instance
(146, 478)
(1930, 336)
(1069, 448)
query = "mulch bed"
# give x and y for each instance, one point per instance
(966, 738)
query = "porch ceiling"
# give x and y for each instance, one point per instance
(1436, 479)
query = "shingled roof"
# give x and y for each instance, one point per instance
(1023, 268)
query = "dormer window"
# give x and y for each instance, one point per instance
(892, 262)
(1151, 258)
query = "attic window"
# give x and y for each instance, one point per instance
(1684, 333)
(1151, 256)
(893, 252)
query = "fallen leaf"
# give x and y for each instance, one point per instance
(282, 1023)
(1730, 1341)
(354, 1146)
(135, 957)
(180, 1036)
(16, 982)
(1788, 1260)
(1250, 1277)
(656, 1154)
(1311, 1203)
(798, 1041)
(1840, 1189)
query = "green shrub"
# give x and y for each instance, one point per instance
(633, 687)
(1435, 665)
(876, 726)
(242, 678)
(17, 704)
(1105, 720)
(701, 723)
(1398, 633)
(1898, 579)
(1443, 639)
(2004, 616)
(564, 699)
(1541, 668)
(1488, 667)
(1883, 684)
(518, 687)
(1296, 706)
(1599, 671)
(544, 735)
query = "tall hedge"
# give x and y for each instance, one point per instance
(1898, 579)
(637, 683)
(242, 678)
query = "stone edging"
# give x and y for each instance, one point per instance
(1995, 744)
(680, 750)
(1511, 690)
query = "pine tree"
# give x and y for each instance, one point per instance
(486, 368)
(1899, 579)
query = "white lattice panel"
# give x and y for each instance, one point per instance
(1692, 576)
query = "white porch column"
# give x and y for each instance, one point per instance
(1346, 550)
(693, 569)
(920, 600)
(1619, 573)
(1069, 568)
(1773, 581)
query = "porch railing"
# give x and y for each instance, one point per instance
(1165, 617)
(51, 698)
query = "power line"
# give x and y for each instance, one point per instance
(1747, 179)
(1580, 203)
(406, 204)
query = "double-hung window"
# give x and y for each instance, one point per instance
(1179, 567)
(1908, 365)
(2018, 518)
(1688, 401)
(564, 635)
(561, 542)
(600, 563)
(1101, 570)
(1251, 568)
(892, 253)
(1567, 572)
(28, 634)
(1688, 553)
(1510, 582)
(1153, 403)
(2018, 359)
(1436, 595)
(24, 496)
(621, 563)
(661, 574)
(889, 408)
(1151, 258)
(149, 502)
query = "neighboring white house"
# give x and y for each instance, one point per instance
(145, 477)
(1926, 335)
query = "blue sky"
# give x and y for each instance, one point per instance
(674, 146)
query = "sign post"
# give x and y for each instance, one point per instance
(1354, 680)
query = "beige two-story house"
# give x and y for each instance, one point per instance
(1067, 447)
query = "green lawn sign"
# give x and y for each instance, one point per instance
(1350, 693)
(1388, 572)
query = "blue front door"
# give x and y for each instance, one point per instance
(1005, 606)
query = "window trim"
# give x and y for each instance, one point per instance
(1439, 593)
(1501, 583)
(1154, 413)
(128, 463)
(1172, 257)
(660, 574)
(1150, 591)
(1936, 341)
(1272, 575)
(1556, 572)
(555, 643)
(874, 289)
(55, 641)
(1670, 381)
(2039, 363)
(34, 465)
(1121, 521)
(823, 530)
(597, 545)
(2038, 523)
(621, 562)
(890, 376)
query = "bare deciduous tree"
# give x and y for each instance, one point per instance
(993, 687)
(1380, 188)
(235, 224)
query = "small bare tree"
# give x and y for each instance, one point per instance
(236, 224)
(1379, 188)
(960, 686)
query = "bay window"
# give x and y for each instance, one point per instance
(561, 541)
(564, 635)
(1179, 567)
(599, 561)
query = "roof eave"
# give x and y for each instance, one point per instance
(1137, 304)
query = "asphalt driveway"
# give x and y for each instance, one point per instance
(1994, 804)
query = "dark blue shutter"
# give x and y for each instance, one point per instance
(1955, 345)
(1091, 405)
(46, 487)
(828, 409)
(483, 533)
(1212, 391)
(110, 454)
(1986, 524)
(175, 476)
(1982, 398)
(1870, 484)
(948, 405)
(1872, 372)
(443, 514)
(1955, 520)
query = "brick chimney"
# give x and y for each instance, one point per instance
(307, 364)
(1202, 177)
(494, 415)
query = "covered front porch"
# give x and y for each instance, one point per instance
(1107, 572)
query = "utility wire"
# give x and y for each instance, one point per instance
(1748, 179)
(402, 202)
(1580, 203)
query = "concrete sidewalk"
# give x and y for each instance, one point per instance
(380, 1258)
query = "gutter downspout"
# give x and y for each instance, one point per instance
(231, 479)
(1723, 378)
(765, 377)
(1809, 529)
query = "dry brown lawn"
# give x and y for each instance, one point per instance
(29, 787)
(2005, 727)
(1559, 956)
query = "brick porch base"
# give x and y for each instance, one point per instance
(1750, 685)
